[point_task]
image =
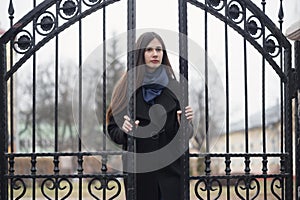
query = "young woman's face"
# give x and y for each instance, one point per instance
(153, 55)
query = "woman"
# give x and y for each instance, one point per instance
(158, 116)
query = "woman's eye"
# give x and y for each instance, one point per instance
(158, 49)
(149, 49)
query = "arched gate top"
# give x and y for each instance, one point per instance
(46, 24)
(253, 27)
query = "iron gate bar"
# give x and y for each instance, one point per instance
(280, 16)
(33, 158)
(288, 124)
(50, 36)
(183, 70)
(104, 158)
(227, 114)
(131, 80)
(3, 125)
(79, 158)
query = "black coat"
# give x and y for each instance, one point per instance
(157, 129)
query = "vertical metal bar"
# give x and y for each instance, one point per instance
(183, 69)
(56, 159)
(11, 88)
(104, 157)
(207, 158)
(131, 36)
(56, 86)
(80, 158)
(247, 157)
(263, 91)
(33, 158)
(206, 79)
(288, 126)
(3, 124)
(11, 101)
(227, 161)
(297, 118)
(246, 93)
(264, 159)
(280, 16)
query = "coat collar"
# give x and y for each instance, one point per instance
(168, 100)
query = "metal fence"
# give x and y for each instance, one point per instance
(44, 25)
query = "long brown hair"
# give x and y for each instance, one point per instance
(119, 98)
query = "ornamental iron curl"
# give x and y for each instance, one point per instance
(18, 184)
(103, 183)
(56, 184)
(236, 11)
(248, 186)
(277, 186)
(23, 42)
(216, 4)
(45, 23)
(272, 46)
(254, 27)
(208, 185)
(68, 9)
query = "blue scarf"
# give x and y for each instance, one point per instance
(154, 83)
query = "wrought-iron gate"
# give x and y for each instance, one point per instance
(51, 18)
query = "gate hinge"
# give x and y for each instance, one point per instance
(294, 83)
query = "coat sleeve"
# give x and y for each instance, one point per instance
(116, 133)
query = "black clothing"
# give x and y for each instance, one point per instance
(158, 127)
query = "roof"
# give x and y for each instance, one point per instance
(272, 116)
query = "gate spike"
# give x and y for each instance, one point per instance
(11, 9)
(280, 14)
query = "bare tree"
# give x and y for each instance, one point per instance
(55, 107)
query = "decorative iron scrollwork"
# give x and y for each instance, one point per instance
(19, 185)
(250, 184)
(104, 183)
(278, 186)
(91, 2)
(45, 23)
(57, 184)
(235, 11)
(216, 4)
(23, 42)
(254, 27)
(68, 8)
(208, 185)
(271, 46)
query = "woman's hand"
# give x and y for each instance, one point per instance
(127, 126)
(188, 114)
